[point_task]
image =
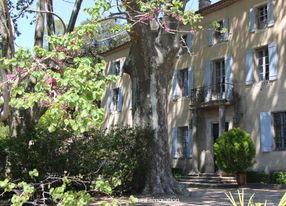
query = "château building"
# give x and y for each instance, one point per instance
(235, 78)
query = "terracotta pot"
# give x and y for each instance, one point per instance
(241, 178)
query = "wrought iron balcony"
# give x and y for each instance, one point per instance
(212, 93)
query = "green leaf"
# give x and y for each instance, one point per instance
(34, 173)
(62, 56)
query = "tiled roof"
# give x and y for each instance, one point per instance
(216, 6)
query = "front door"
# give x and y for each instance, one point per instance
(215, 135)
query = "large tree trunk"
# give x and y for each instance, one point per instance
(7, 45)
(151, 58)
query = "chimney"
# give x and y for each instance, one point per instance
(204, 3)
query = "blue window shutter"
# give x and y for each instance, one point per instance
(270, 13)
(252, 20)
(109, 101)
(210, 35)
(174, 142)
(265, 132)
(208, 81)
(228, 77)
(273, 61)
(122, 60)
(189, 143)
(190, 80)
(249, 67)
(225, 23)
(119, 100)
(190, 41)
(174, 86)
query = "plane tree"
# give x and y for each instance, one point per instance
(59, 82)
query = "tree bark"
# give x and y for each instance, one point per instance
(8, 50)
(40, 21)
(74, 14)
(151, 58)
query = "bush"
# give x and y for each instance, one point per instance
(272, 178)
(235, 151)
(121, 152)
(258, 177)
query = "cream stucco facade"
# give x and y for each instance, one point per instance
(236, 81)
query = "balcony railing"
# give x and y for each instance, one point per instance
(212, 93)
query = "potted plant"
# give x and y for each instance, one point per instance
(235, 152)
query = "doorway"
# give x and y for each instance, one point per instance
(215, 135)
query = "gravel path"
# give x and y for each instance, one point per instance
(214, 197)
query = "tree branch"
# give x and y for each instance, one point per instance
(74, 14)
(48, 12)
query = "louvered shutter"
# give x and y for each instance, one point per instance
(119, 100)
(109, 101)
(225, 23)
(190, 80)
(174, 142)
(190, 41)
(270, 13)
(273, 61)
(228, 77)
(174, 86)
(208, 81)
(189, 141)
(210, 35)
(249, 67)
(265, 132)
(252, 20)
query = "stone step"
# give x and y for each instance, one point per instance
(209, 185)
(209, 180)
(208, 177)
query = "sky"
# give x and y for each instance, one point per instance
(63, 8)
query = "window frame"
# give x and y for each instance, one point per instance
(115, 98)
(182, 137)
(262, 63)
(183, 78)
(218, 86)
(218, 35)
(282, 130)
(261, 24)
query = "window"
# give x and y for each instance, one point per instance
(182, 141)
(183, 42)
(263, 63)
(115, 67)
(218, 34)
(183, 82)
(218, 31)
(262, 17)
(186, 42)
(219, 76)
(115, 98)
(280, 130)
(264, 60)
